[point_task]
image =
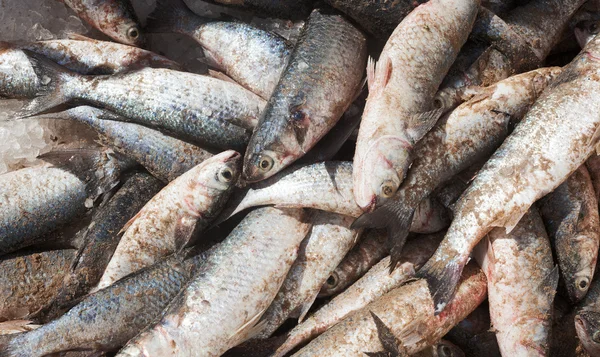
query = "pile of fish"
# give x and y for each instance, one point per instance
(403, 178)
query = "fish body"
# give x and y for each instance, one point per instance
(593, 167)
(328, 241)
(222, 304)
(400, 108)
(194, 107)
(554, 138)
(370, 250)
(374, 284)
(570, 213)
(115, 18)
(166, 223)
(102, 236)
(28, 281)
(105, 320)
(17, 78)
(522, 281)
(587, 320)
(162, 155)
(409, 314)
(320, 82)
(252, 57)
(461, 138)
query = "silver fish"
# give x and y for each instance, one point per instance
(587, 320)
(222, 304)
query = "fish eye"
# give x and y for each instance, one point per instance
(265, 163)
(133, 33)
(444, 351)
(332, 281)
(388, 189)
(226, 174)
(596, 336)
(582, 283)
(297, 115)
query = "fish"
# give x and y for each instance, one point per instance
(368, 252)
(80, 54)
(401, 107)
(585, 32)
(469, 133)
(379, 17)
(374, 284)
(101, 238)
(28, 280)
(162, 155)
(107, 319)
(37, 200)
(587, 320)
(287, 9)
(409, 314)
(442, 348)
(252, 57)
(474, 335)
(328, 240)
(593, 167)
(554, 138)
(520, 42)
(115, 18)
(235, 286)
(201, 109)
(326, 186)
(321, 80)
(570, 214)
(522, 281)
(166, 223)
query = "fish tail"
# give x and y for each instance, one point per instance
(172, 16)
(442, 278)
(51, 76)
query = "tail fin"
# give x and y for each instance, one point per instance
(172, 16)
(442, 278)
(397, 218)
(51, 77)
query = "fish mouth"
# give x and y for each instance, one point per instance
(233, 155)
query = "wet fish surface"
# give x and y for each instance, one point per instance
(555, 137)
(587, 320)
(194, 107)
(320, 82)
(237, 284)
(167, 222)
(252, 57)
(570, 213)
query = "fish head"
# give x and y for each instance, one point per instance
(578, 270)
(587, 325)
(118, 21)
(446, 349)
(379, 173)
(130, 33)
(585, 31)
(211, 179)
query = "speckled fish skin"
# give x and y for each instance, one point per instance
(252, 57)
(38, 200)
(166, 223)
(570, 214)
(163, 156)
(400, 108)
(28, 281)
(370, 250)
(379, 17)
(102, 237)
(237, 284)
(593, 167)
(198, 108)
(522, 40)
(555, 137)
(469, 133)
(522, 281)
(326, 186)
(377, 282)
(115, 18)
(587, 320)
(17, 78)
(320, 82)
(328, 241)
(105, 320)
(408, 312)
